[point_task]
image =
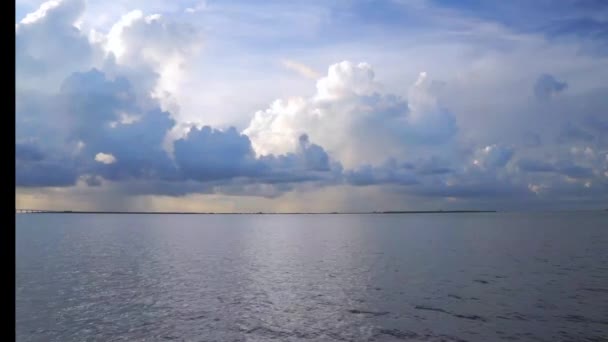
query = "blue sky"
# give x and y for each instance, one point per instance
(311, 105)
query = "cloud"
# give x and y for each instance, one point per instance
(45, 173)
(493, 156)
(434, 166)
(93, 181)
(574, 171)
(302, 69)
(105, 158)
(570, 133)
(562, 167)
(207, 154)
(388, 173)
(531, 139)
(120, 108)
(94, 107)
(152, 51)
(48, 45)
(28, 152)
(201, 6)
(35, 168)
(313, 157)
(530, 165)
(352, 119)
(113, 118)
(547, 86)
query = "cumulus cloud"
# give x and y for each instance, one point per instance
(94, 107)
(48, 45)
(106, 105)
(547, 86)
(113, 118)
(111, 108)
(208, 154)
(105, 158)
(153, 44)
(350, 117)
(313, 157)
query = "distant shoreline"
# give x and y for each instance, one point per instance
(259, 213)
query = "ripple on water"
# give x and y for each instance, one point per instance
(473, 317)
(371, 313)
(281, 278)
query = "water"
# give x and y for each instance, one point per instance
(422, 277)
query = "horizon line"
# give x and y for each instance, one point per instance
(43, 211)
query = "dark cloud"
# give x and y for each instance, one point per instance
(530, 165)
(571, 133)
(44, 171)
(598, 123)
(547, 86)
(484, 189)
(389, 173)
(531, 140)
(208, 154)
(494, 156)
(566, 168)
(35, 168)
(92, 101)
(313, 157)
(92, 180)
(28, 152)
(94, 105)
(591, 31)
(434, 166)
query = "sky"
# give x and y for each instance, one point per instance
(283, 106)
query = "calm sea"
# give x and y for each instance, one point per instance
(401, 277)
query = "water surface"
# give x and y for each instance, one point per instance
(399, 277)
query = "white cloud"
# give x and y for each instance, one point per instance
(114, 40)
(48, 46)
(105, 158)
(201, 6)
(40, 12)
(353, 119)
(302, 69)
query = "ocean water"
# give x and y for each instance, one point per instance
(399, 277)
